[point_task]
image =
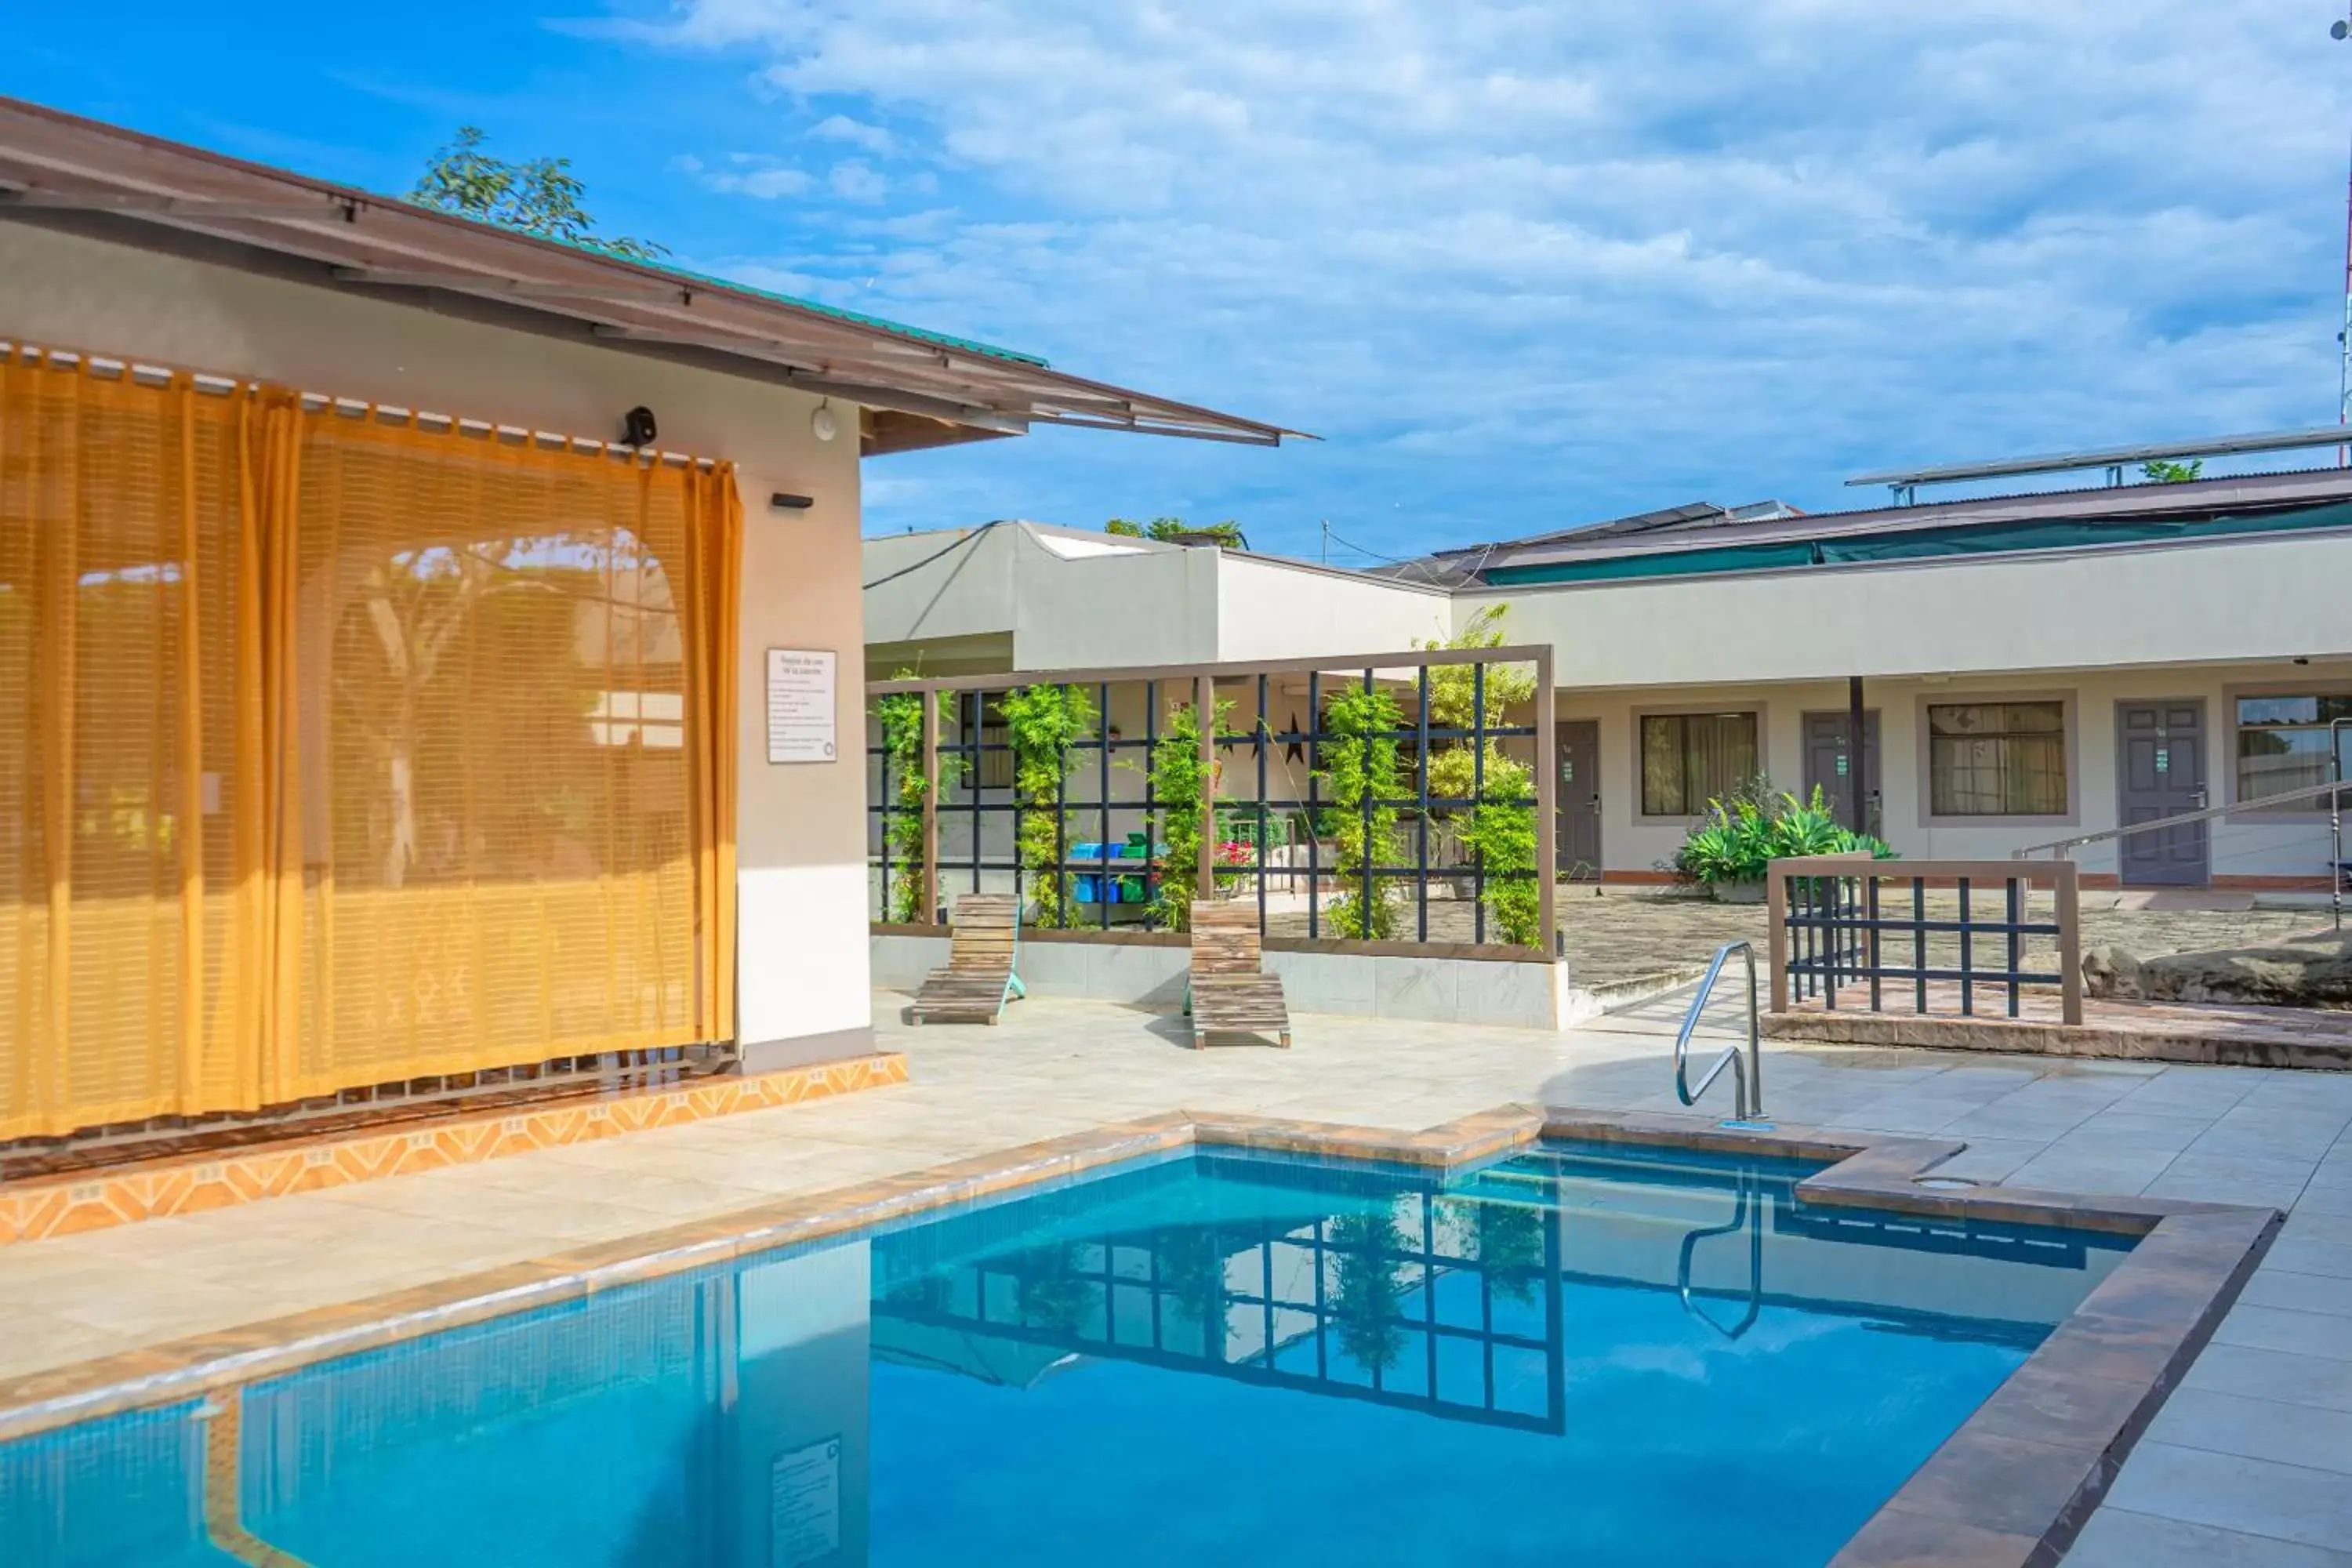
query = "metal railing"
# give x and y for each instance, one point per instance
(1747, 1080)
(1749, 1216)
(1833, 936)
(2340, 871)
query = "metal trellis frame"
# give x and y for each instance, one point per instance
(1122, 878)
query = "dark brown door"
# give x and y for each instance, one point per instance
(1579, 799)
(1829, 764)
(2160, 765)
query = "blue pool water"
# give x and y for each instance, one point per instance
(1576, 1355)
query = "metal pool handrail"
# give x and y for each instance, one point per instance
(1747, 1080)
(1743, 1218)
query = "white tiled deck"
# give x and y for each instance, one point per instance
(2249, 1463)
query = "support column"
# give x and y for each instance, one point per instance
(929, 882)
(1204, 710)
(1857, 769)
(1547, 807)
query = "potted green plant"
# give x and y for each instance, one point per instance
(1728, 850)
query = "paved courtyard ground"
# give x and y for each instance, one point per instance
(2250, 1462)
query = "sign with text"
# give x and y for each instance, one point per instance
(800, 706)
(805, 1505)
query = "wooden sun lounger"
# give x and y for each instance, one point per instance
(984, 946)
(1228, 993)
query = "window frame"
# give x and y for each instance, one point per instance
(1923, 752)
(1756, 715)
(2313, 810)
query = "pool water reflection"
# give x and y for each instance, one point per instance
(1586, 1355)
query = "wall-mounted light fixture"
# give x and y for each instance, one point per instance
(822, 424)
(780, 502)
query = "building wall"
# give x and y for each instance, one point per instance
(2202, 621)
(1270, 611)
(965, 594)
(1010, 600)
(1007, 595)
(2281, 847)
(2186, 604)
(801, 945)
(1158, 605)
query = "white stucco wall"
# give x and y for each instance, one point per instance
(1156, 606)
(803, 945)
(2184, 604)
(1146, 603)
(2281, 847)
(967, 592)
(1268, 610)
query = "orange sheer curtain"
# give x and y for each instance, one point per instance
(336, 751)
(122, 502)
(714, 556)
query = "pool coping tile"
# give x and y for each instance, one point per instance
(2008, 1489)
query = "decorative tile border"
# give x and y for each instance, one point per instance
(64, 1206)
(2008, 1489)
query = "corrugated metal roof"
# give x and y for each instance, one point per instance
(2231, 494)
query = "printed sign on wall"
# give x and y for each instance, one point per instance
(800, 706)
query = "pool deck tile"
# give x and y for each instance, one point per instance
(1902, 1538)
(1038, 1089)
(2119, 1538)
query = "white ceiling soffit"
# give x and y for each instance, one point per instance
(52, 163)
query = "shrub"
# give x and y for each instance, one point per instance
(1500, 832)
(1041, 721)
(1361, 761)
(1177, 785)
(901, 717)
(1740, 837)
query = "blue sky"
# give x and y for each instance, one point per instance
(1521, 265)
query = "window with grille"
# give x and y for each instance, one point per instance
(2284, 744)
(1996, 759)
(1690, 759)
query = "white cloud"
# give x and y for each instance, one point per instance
(853, 180)
(841, 128)
(1529, 263)
(747, 175)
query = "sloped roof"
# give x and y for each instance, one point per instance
(72, 172)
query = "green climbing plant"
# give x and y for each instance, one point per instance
(1368, 1287)
(1176, 784)
(1509, 1247)
(1361, 762)
(901, 716)
(1042, 722)
(1498, 833)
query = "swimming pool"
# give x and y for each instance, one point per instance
(1583, 1353)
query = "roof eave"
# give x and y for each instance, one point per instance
(2226, 493)
(54, 164)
